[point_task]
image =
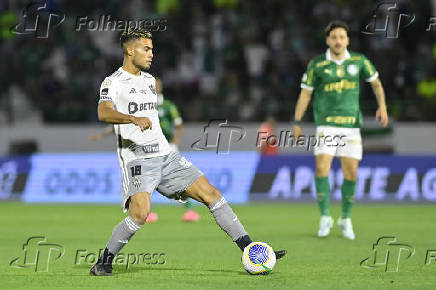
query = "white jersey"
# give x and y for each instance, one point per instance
(135, 95)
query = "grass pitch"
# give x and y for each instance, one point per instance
(201, 256)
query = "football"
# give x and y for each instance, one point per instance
(258, 258)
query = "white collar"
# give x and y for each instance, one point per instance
(338, 62)
(130, 74)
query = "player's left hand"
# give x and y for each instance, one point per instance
(381, 115)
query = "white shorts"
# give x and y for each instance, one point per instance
(170, 174)
(341, 142)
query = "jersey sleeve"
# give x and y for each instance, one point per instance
(175, 115)
(107, 91)
(308, 79)
(368, 71)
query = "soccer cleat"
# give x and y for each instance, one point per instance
(151, 218)
(100, 269)
(191, 216)
(325, 225)
(280, 254)
(347, 228)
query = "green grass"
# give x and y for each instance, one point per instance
(201, 256)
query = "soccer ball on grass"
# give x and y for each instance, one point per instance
(258, 258)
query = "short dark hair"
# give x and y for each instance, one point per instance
(133, 33)
(335, 24)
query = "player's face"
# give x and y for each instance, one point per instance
(143, 53)
(338, 40)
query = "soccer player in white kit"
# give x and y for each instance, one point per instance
(128, 100)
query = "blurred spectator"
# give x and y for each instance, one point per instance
(267, 137)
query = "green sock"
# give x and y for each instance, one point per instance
(323, 192)
(348, 189)
(188, 204)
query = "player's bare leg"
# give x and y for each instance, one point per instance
(323, 165)
(139, 209)
(202, 191)
(349, 169)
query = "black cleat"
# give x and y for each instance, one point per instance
(280, 254)
(101, 269)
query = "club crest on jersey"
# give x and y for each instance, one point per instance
(352, 69)
(152, 89)
(136, 182)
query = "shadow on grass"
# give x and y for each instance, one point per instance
(122, 270)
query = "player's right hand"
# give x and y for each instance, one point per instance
(296, 131)
(143, 123)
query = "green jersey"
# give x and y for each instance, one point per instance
(336, 88)
(169, 117)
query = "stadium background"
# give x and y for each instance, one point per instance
(219, 59)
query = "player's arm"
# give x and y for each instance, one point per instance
(370, 75)
(300, 110)
(177, 134)
(178, 124)
(307, 86)
(107, 113)
(381, 115)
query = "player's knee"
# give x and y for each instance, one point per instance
(322, 170)
(350, 174)
(140, 216)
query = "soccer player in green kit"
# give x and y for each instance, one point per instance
(333, 79)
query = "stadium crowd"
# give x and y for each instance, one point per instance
(240, 60)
